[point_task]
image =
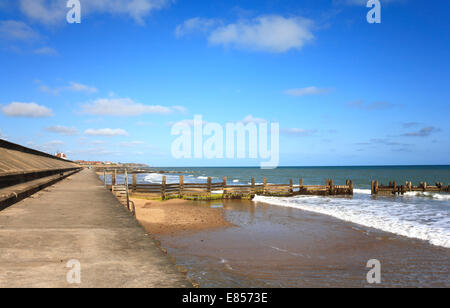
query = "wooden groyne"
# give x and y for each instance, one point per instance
(223, 190)
(394, 189)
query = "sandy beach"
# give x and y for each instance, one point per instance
(177, 216)
(250, 244)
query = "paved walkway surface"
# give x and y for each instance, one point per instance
(79, 219)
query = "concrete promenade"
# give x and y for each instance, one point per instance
(78, 218)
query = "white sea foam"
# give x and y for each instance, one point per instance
(362, 191)
(202, 177)
(420, 220)
(431, 195)
(235, 181)
(156, 178)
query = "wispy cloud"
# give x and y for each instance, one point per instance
(251, 119)
(106, 132)
(362, 2)
(299, 132)
(78, 87)
(270, 33)
(387, 143)
(46, 51)
(3, 136)
(360, 104)
(144, 123)
(17, 30)
(424, 132)
(51, 12)
(126, 107)
(196, 25)
(131, 144)
(73, 87)
(410, 124)
(27, 110)
(307, 91)
(54, 143)
(63, 130)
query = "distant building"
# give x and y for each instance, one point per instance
(89, 163)
(61, 155)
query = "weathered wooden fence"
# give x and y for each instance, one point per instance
(393, 188)
(223, 190)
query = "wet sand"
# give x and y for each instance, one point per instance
(270, 246)
(177, 217)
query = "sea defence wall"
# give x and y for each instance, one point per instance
(78, 220)
(24, 171)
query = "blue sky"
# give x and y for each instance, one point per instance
(344, 91)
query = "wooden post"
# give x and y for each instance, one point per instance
(224, 184)
(104, 176)
(351, 187)
(253, 187)
(425, 186)
(410, 186)
(181, 185)
(114, 178)
(209, 185)
(163, 188)
(265, 186)
(126, 189)
(394, 185)
(376, 187)
(291, 186)
(301, 183)
(372, 188)
(134, 182)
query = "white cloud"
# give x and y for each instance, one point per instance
(54, 11)
(195, 25)
(271, 33)
(17, 30)
(307, 91)
(125, 107)
(106, 132)
(29, 110)
(63, 130)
